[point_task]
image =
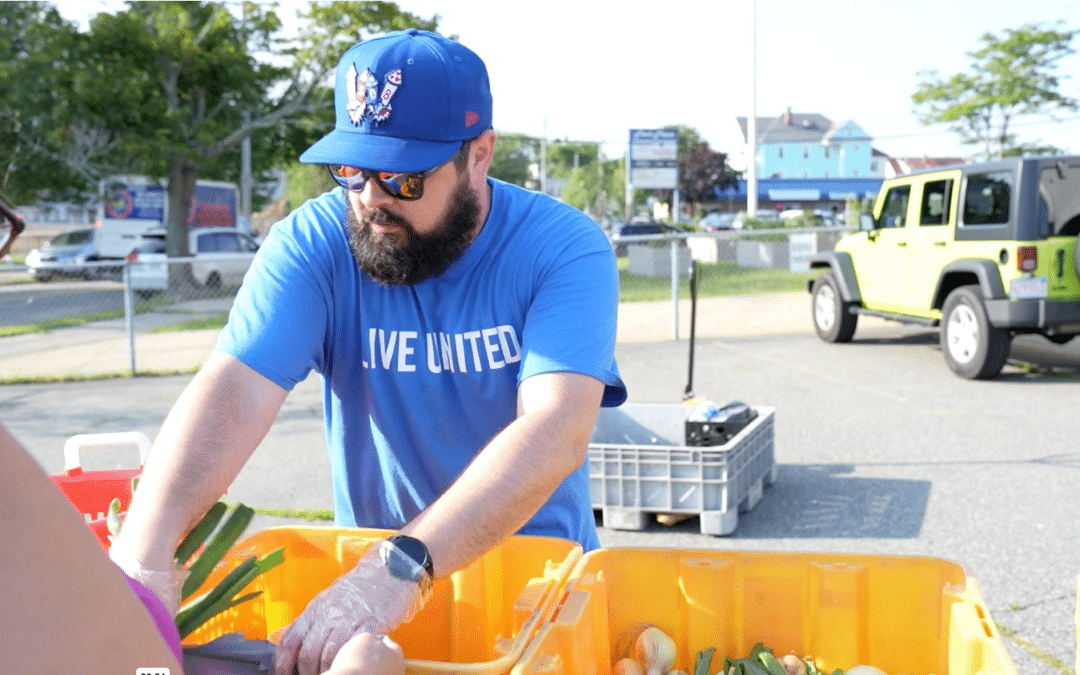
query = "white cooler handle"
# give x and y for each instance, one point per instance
(131, 439)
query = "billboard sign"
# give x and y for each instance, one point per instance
(654, 159)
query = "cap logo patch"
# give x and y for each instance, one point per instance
(471, 118)
(363, 98)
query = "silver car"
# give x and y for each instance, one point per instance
(67, 255)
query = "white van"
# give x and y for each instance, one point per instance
(133, 205)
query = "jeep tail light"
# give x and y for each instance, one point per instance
(131, 257)
(1027, 258)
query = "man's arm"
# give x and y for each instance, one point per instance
(518, 470)
(505, 484)
(211, 431)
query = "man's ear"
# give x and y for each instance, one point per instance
(481, 154)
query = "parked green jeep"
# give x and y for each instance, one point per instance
(985, 251)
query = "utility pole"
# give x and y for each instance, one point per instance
(245, 154)
(751, 123)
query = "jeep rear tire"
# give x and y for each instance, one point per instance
(973, 348)
(832, 316)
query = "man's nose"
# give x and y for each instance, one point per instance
(372, 195)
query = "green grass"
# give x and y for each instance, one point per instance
(62, 322)
(713, 280)
(156, 302)
(217, 321)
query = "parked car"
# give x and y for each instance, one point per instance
(67, 255)
(622, 230)
(716, 221)
(221, 257)
(981, 251)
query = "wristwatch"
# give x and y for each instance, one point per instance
(418, 559)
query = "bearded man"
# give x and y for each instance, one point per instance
(464, 329)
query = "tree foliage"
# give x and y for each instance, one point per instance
(170, 89)
(703, 172)
(1011, 75)
(514, 154)
(41, 134)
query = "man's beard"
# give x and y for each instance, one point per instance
(389, 261)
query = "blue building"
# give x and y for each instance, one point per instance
(808, 161)
(812, 146)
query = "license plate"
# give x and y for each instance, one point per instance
(1026, 288)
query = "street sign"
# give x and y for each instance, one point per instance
(654, 159)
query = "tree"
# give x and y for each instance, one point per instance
(599, 191)
(1011, 75)
(513, 154)
(703, 172)
(39, 130)
(180, 85)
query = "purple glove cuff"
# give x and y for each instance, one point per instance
(164, 621)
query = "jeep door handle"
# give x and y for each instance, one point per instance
(902, 244)
(939, 243)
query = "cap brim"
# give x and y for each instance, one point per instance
(380, 153)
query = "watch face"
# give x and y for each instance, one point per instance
(417, 554)
(412, 547)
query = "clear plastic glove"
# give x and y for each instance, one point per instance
(367, 599)
(165, 584)
(368, 654)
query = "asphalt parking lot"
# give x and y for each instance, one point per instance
(880, 450)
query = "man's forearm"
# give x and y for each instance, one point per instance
(510, 479)
(211, 431)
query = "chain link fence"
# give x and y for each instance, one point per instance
(161, 315)
(135, 317)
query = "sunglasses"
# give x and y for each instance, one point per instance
(406, 186)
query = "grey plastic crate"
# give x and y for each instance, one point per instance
(639, 465)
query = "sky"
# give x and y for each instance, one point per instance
(591, 70)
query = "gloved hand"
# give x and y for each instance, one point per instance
(370, 598)
(165, 584)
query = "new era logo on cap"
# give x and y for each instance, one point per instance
(405, 102)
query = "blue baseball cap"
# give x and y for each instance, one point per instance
(404, 102)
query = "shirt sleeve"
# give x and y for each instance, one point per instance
(279, 320)
(572, 319)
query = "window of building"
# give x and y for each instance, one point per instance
(987, 198)
(780, 151)
(806, 152)
(826, 152)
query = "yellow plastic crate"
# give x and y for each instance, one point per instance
(912, 615)
(478, 620)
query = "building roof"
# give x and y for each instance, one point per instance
(801, 128)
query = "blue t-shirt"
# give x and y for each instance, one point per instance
(417, 379)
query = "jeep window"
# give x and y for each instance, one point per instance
(896, 202)
(935, 203)
(986, 200)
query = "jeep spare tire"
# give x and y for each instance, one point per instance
(973, 348)
(833, 319)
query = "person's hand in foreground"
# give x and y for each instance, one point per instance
(369, 654)
(383, 591)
